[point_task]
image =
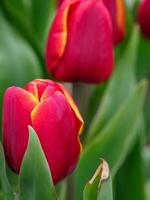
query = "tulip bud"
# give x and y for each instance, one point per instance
(80, 46)
(144, 17)
(50, 110)
(116, 10)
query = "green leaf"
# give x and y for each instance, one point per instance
(147, 186)
(129, 181)
(100, 186)
(41, 15)
(32, 19)
(96, 96)
(61, 190)
(35, 177)
(7, 192)
(146, 157)
(18, 63)
(1, 196)
(120, 86)
(142, 71)
(114, 141)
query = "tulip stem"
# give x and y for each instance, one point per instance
(70, 188)
(70, 179)
(81, 94)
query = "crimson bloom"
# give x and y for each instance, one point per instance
(80, 44)
(50, 110)
(116, 10)
(144, 17)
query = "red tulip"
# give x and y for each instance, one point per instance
(116, 9)
(80, 46)
(50, 110)
(144, 17)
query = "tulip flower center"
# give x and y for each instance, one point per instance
(43, 89)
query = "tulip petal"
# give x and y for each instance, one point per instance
(73, 106)
(120, 29)
(58, 35)
(31, 88)
(116, 10)
(38, 88)
(88, 54)
(144, 17)
(49, 91)
(17, 107)
(55, 123)
(51, 88)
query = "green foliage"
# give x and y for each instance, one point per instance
(32, 20)
(100, 186)
(35, 178)
(130, 178)
(143, 70)
(120, 86)
(7, 192)
(146, 161)
(17, 54)
(114, 141)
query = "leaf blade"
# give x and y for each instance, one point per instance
(7, 191)
(110, 143)
(120, 86)
(100, 186)
(35, 178)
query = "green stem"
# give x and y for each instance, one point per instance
(81, 95)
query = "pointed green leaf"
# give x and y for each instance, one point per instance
(120, 86)
(114, 141)
(100, 186)
(35, 177)
(7, 192)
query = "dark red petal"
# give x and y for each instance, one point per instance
(88, 53)
(72, 104)
(17, 107)
(116, 10)
(55, 123)
(57, 39)
(144, 17)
